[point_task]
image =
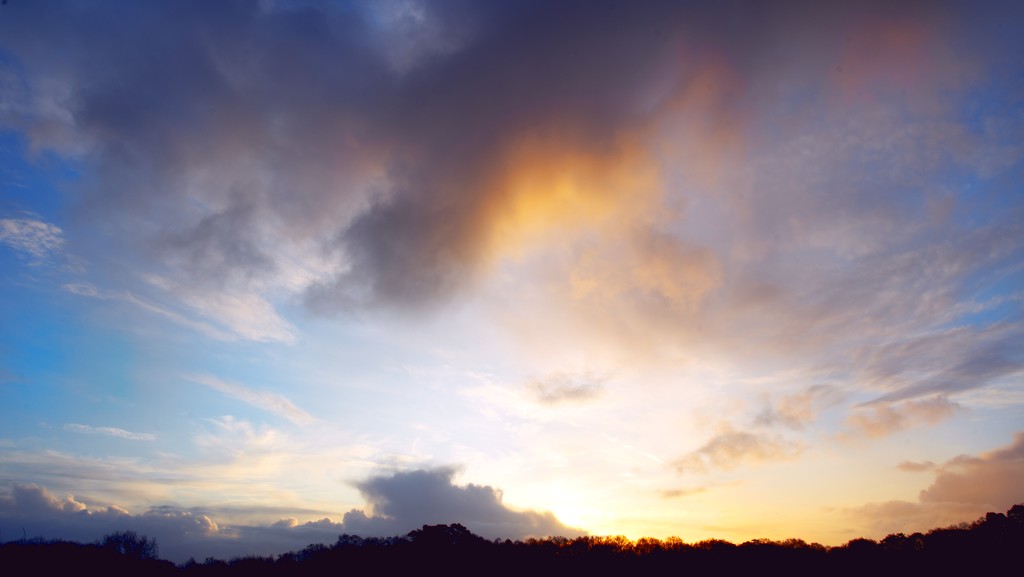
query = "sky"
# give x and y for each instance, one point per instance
(275, 271)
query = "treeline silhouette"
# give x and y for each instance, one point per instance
(993, 543)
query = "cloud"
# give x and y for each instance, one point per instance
(221, 244)
(916, 466)
(245, 314)
(43, 514)
(34, 500)
(558, 388)
(652, 276)
(31, 237)
(802, 184)
(144, 304)
(86, 289)
(945, 361)
(405, 501)
(992, 479)
(109, 431)
(271, 402)
(733, 449)
(886, 518)
(963, 489)
(677, 493)
(671, 198)
(440, 145)
(397, 504)
(881, 419)
(798, 410)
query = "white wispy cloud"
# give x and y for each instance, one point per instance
(32, 237)
(266, 400)
(246, 313)
(109, 431)
(86, 289)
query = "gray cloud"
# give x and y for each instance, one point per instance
(945, 361)
(365, 156)
(43, 514)
(374, 131)
(405, 501)
(220, 244)
(180, 533)
(397, 504)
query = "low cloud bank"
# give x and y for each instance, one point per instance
(396, 504)
(964, 487)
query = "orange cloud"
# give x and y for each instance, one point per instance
(548, 182)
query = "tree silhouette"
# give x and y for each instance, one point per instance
(131, 544)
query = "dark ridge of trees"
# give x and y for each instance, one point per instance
(994, 542)
(56, 557)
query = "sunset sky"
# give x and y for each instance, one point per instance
(275, 271)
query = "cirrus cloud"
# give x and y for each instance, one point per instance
(109, 431)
